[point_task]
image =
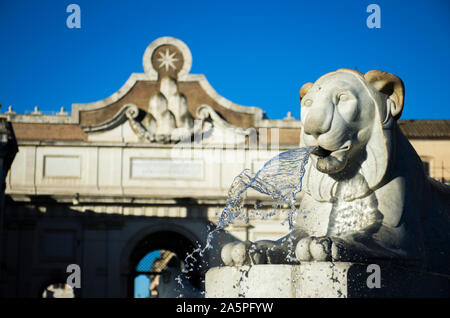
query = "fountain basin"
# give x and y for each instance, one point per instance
(322, 280)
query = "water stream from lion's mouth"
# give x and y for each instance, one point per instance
(280, 178)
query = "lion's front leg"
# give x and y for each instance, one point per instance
(262, 252)
(339, 249)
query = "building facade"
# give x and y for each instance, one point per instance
(144, 170)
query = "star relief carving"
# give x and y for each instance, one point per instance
(167, 60)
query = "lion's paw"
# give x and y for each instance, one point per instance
(317, 249)
(234, 254)
(243, 253)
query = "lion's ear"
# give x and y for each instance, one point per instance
(305, 88)
(390, 85)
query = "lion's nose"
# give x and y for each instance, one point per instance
(318, 122)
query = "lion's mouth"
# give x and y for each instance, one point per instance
(323, 153)
(320, 152)
(331, 162)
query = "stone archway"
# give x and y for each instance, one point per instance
(164, 237)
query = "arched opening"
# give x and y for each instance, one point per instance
(156, 264)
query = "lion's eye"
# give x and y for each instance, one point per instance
(307, 102)
(342, 97)
(347, 105)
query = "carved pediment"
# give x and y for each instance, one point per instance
(167, 104)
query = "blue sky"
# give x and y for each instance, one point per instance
(254, 53)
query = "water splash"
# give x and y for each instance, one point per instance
(280, 178)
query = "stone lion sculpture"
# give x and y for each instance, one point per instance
(365, 194)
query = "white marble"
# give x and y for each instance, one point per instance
(365, 190)
(325, 280)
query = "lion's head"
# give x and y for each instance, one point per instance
(348, 117)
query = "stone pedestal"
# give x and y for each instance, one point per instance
(321, 280)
